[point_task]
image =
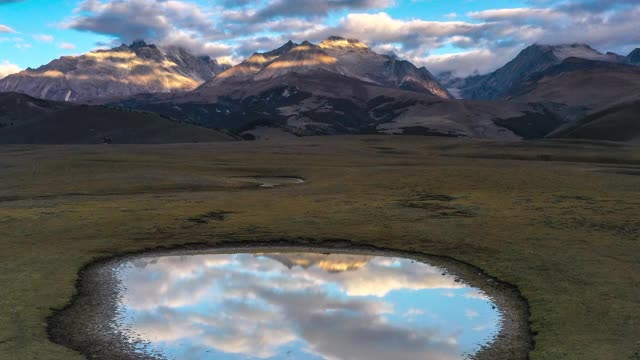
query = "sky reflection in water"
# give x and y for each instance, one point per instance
(301, 306)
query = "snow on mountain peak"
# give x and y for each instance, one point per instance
(582, 51)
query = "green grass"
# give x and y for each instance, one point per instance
(545, 216)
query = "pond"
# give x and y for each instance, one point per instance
(271, 181)
(299, 305)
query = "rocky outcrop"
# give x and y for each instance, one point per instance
(119, 72)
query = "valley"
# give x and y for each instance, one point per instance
(516, 210)
(319, 180)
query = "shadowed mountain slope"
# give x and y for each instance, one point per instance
(634, 57)
(587, 84)
(26, 120)
(325, 103)
(619, 123)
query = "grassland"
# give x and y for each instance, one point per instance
(558, 219)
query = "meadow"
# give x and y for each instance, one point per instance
(558, 219)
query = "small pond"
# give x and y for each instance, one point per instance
(271, 181)
(299, 305)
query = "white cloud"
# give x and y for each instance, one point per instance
(471, 314)
(475, 294)
(518, 13)
(6, 29)
(44, 37)
(66, 46)
(262, 304)
(7, 68)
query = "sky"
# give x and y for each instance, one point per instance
(463, 36)
(247, 306)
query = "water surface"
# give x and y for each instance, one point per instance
(271, 181)
(300, 306)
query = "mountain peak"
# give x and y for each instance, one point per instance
(634, 57)
(337, 42)
(122, 71)
(392, 55)
(279, 51)
(137, 44)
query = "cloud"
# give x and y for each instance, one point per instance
(467, 62)
(527, 14)
(6, 29)
(164, 23)
(43, 37)
(475, 294)
(481, 40)
(7, 68)
(254, 306)
(66, 46)
(471, 314)
(310, 8)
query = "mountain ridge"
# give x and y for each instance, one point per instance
(122, 71)
(532, 59)
(348, 57)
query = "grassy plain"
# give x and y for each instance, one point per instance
(561, 220)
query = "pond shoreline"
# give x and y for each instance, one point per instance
(85, 324)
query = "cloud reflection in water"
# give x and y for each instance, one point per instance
(301, 306)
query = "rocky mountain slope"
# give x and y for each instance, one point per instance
(27, 120)
(326, 103)
(535, 58)
(589, 85)
(346, 57)
(122, 71)
(634, 57)
(339, 86)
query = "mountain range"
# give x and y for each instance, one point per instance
(121, 71)
(341, 86)
(535, 58)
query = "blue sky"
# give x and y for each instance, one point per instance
(459, 35)
(243, 306)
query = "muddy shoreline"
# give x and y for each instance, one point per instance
(86, 324)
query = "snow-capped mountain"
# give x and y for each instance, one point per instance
(118, 72)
